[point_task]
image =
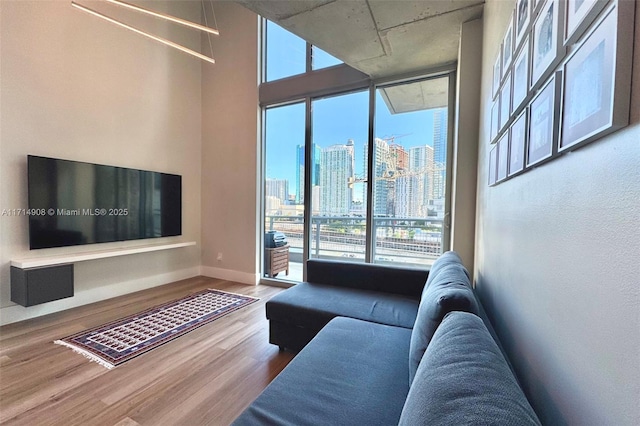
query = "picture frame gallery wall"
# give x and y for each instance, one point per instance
(561, 79)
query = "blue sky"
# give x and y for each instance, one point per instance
(334, 120)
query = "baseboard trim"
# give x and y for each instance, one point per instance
(230, 275)
(15, 313)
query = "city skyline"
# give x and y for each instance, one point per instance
(285, 132)
(408, 182)
(410, 133)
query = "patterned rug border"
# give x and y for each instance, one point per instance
(110, 362)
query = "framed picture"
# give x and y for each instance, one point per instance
(505, 102)
(493, 157)
(521, 76)
(517, 144)
(503, 157)
(523, 17)
(497, 72)
(543, 121)
(579, 14)
(546, 51)
(507, 47)
(597, 80)
(495, 117)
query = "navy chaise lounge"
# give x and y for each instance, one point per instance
(380, 294)
(446, 369)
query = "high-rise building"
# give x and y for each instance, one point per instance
(277, 188)
(439, 152)
(337, 164)
(399, 157)
(382, 187)
(407, 189)
(421, 166)
(315, 175)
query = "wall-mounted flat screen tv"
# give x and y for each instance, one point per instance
(74, 203)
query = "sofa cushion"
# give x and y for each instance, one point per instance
(314, 305)
(463, 378)
(352, 372)
(404, 281)
(450, 291)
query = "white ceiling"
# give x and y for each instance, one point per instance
(378, 37)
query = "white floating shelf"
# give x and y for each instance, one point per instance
(79, 257)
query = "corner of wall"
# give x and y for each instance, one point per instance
(463, 200)
(230, 157)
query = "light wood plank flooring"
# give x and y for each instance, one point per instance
(207, 376)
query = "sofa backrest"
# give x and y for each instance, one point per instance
(448, 289)
(366, 276)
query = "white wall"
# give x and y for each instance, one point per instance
(465, 158)
(557, 265)
(75, 87)
(230, 169)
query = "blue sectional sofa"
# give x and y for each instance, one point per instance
(412, 350)
(373, 293)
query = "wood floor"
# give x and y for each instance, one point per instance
(207, 376)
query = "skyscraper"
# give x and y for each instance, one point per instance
(277, 188)
(382, 164)
(439, 152)
(399, 157)
(421, 166)
(407, 191)
(315, 176)
(336, 169)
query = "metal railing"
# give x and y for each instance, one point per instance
(406, 240)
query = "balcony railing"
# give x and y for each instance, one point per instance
(408, 240)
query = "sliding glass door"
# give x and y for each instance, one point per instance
(410, 172)
(283, 200)
(339, 134)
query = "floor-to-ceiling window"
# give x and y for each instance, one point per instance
(283, 202)
(339, 129)
(356, 171)
(410, 171)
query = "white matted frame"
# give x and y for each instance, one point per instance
(543, 121)
(497, 72)
(579, 15)
(521, 72)
(505, 102)
(597, 80)
(495, 118)
(523, 18)
(493, 164)
(503, 158)
(547, 48)
(517, 144)
(507, 47)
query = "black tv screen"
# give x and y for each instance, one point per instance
(74, 203)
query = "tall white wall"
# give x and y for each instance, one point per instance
(75, 87)
(465, 147)
(230, 171)
(557, 252)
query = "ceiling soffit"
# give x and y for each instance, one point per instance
(381, 38)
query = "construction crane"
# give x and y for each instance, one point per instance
(392, 139)
(392, 172)
(391, 175)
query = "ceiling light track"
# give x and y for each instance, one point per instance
(164, 16)
(138, 31)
